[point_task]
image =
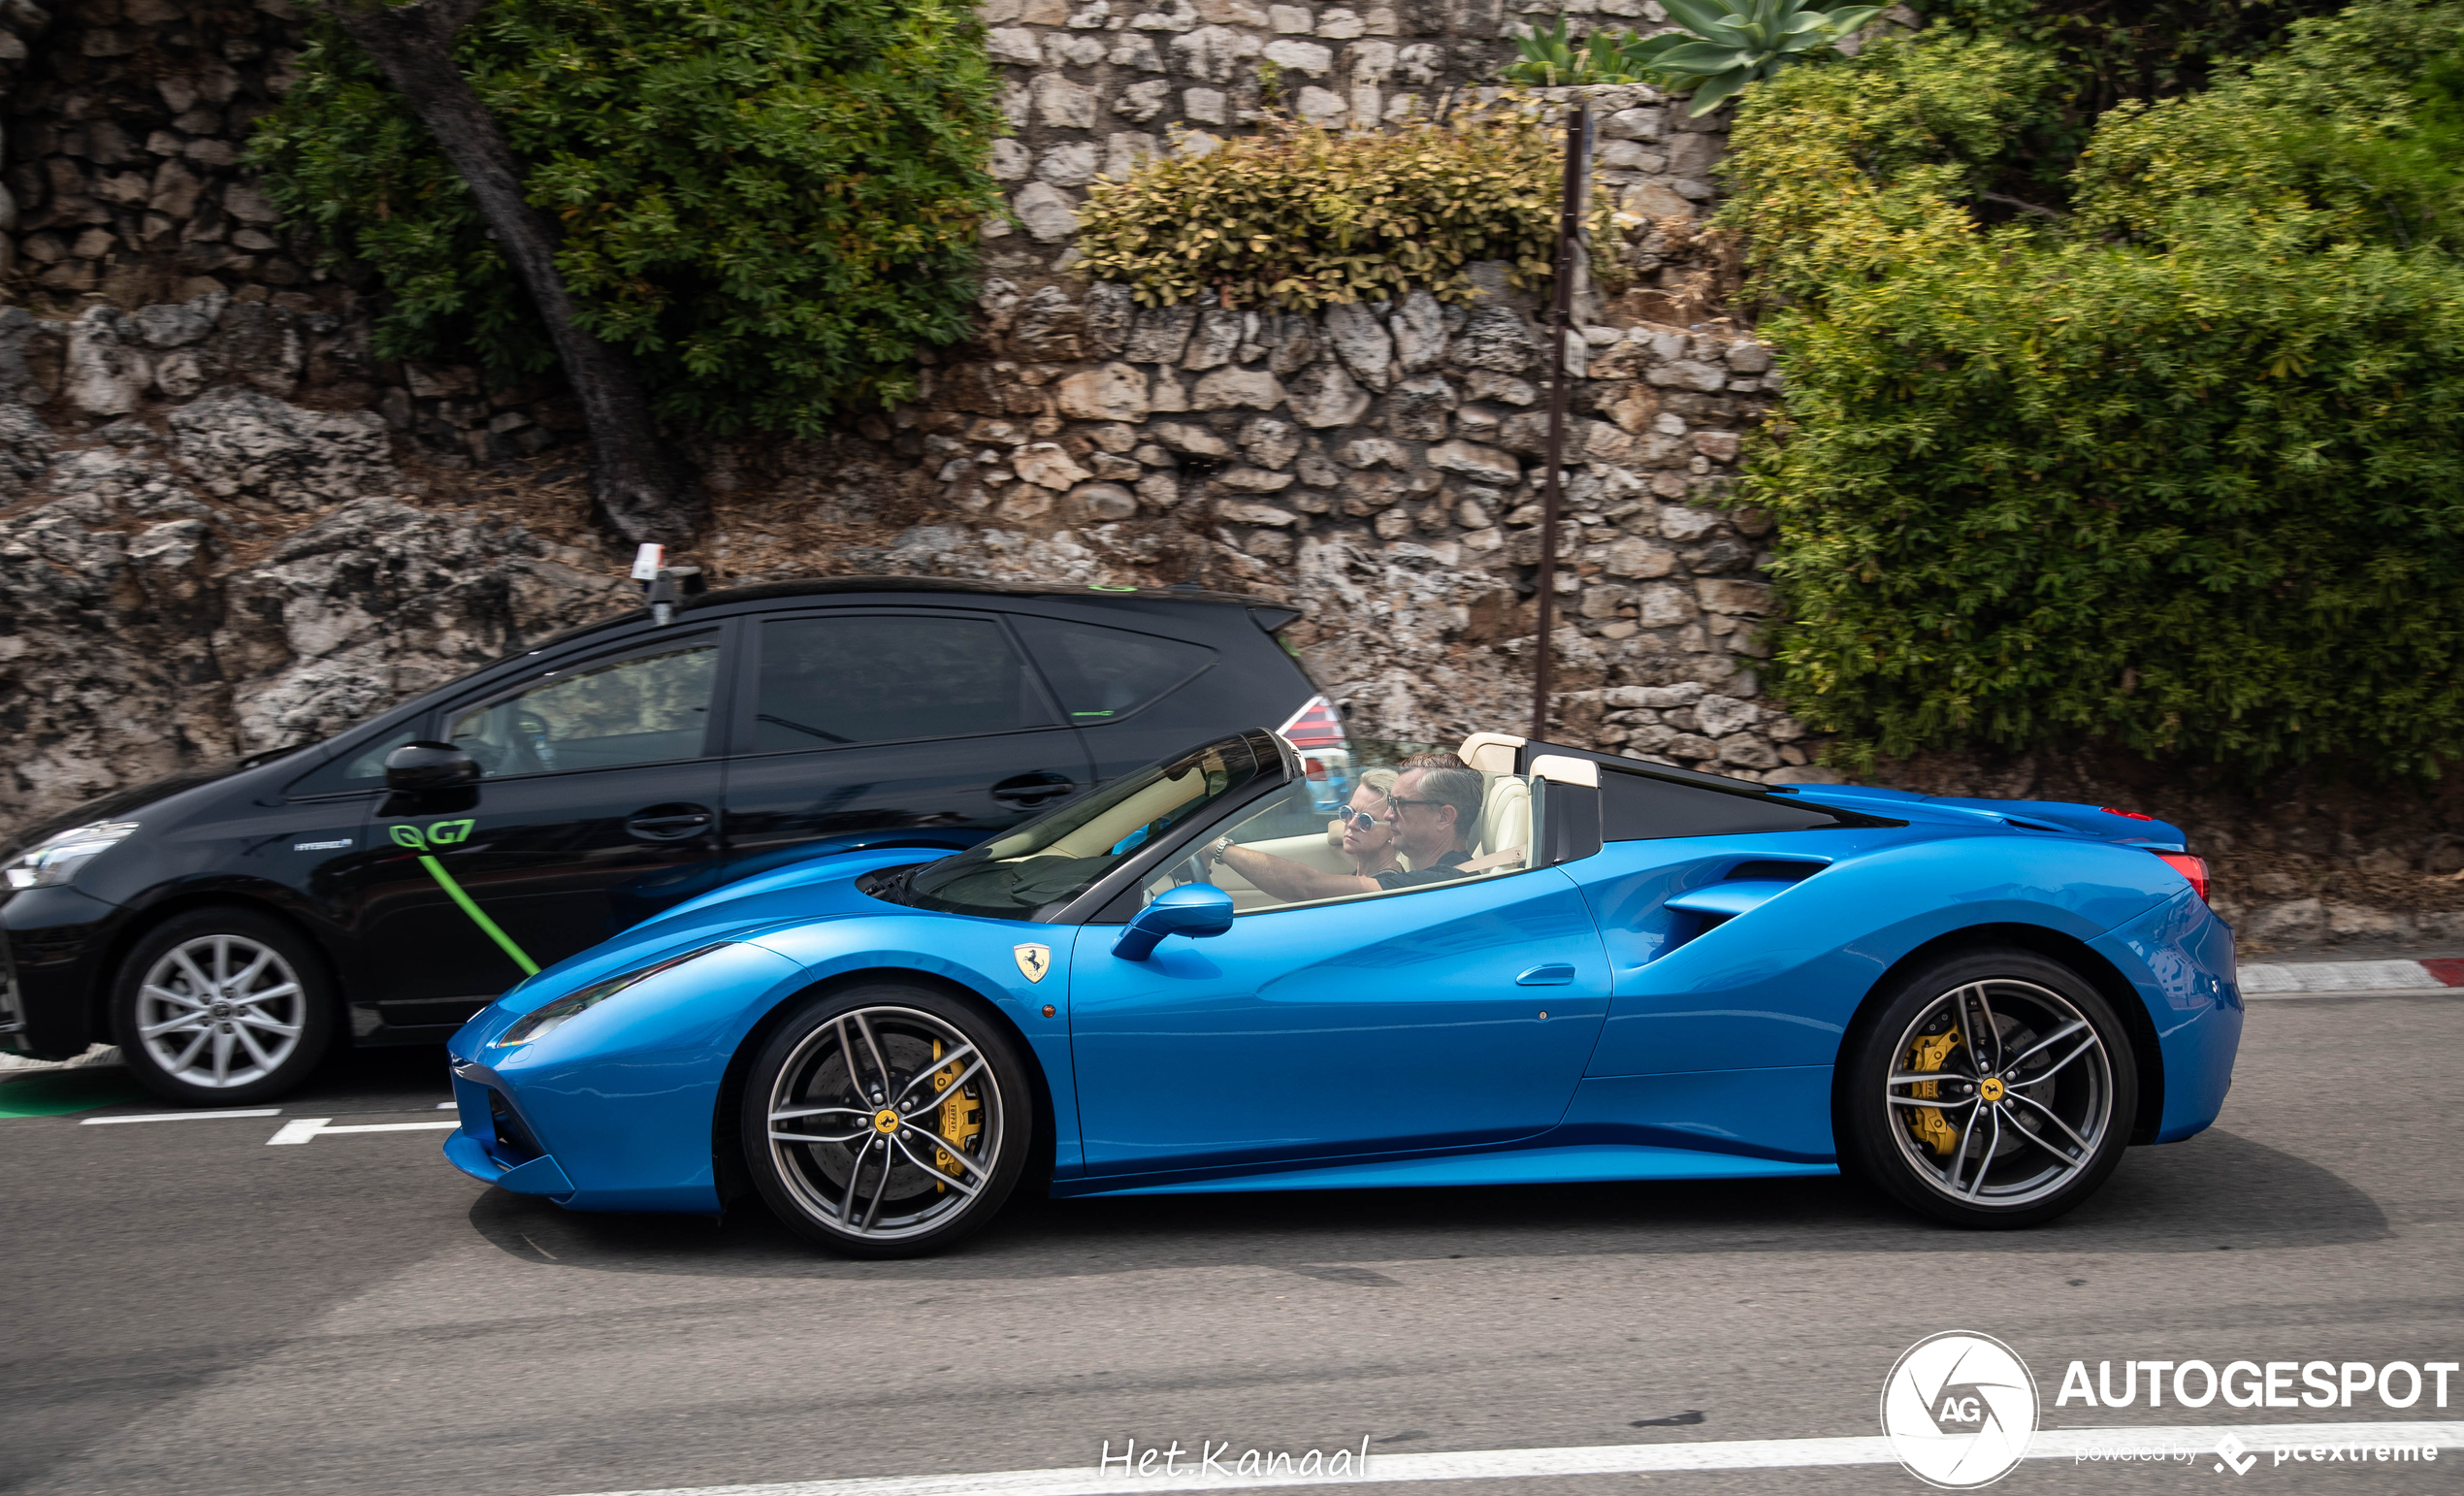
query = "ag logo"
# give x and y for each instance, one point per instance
(1960, 1409)
(443, 833)
(1033, 960)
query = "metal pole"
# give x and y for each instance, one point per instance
(1569, 228)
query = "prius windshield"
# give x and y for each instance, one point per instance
(1058, 857)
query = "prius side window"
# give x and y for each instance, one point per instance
(647, 709)
(1104, 674)
(886, 678)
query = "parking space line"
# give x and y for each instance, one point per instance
(301, 1129)
(108, 1122)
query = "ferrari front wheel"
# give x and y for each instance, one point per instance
(887, 1120)
(1993, 1088)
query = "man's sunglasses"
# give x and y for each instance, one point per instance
(1358, 820)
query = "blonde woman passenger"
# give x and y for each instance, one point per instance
(1367, 824)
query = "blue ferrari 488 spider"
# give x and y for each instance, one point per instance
(1517, 963)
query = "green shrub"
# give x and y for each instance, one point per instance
(1298, 218)
(771, 205)
(2184, 472)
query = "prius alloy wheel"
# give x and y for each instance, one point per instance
(221, 1005)
(888, 1121)
(1995, 1089)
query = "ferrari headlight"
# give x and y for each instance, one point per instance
(56, 858)
(548, 1017)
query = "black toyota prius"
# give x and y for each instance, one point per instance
(223, 925)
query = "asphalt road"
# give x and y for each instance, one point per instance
(185, 1309)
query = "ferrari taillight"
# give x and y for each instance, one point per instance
(1315, 726)
(2191, 867)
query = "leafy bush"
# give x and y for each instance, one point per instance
(1298, 218)
(771, 205)
(2186, 471)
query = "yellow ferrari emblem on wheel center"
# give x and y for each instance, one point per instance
(1991, 1088)
(885, 1121)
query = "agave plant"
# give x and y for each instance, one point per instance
(1551, 60)
(1727, 44)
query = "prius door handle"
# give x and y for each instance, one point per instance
(1553, 974)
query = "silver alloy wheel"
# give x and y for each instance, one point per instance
(2000, 1093)
(220, 1011)
(885, 1123)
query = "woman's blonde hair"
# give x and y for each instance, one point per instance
(1381, 780)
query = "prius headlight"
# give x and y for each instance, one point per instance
(551, 1016)
(56, 858)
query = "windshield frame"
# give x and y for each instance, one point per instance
(1277, 766)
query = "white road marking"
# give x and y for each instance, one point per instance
(2190, 1441)
(109, 1121)
(448, 1106)
(2265, 978)
(2374, 992)
(301, 1129)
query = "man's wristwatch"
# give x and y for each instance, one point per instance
(1214, 854)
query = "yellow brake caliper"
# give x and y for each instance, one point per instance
(1932, 1127)
(962, 1119)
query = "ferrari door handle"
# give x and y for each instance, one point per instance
(1553, 974)
(1025, 792)
(669, 822)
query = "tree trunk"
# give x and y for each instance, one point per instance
(631, 482)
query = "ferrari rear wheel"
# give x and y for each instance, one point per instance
(887, 1120)
(1995, 1089)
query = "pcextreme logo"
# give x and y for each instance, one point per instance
(443, 833)
(1959, 1409)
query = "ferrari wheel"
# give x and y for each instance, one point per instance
(222, 1005)
(888, 1121)
(1994, 1089)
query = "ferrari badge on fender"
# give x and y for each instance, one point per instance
(1033, 960)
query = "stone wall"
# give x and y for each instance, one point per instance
(225, 526)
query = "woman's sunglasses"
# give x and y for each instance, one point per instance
(1358, 820)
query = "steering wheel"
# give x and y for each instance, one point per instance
(1191, 868)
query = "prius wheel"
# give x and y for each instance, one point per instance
(218, 1006)
(1995, 1089)
(888, 1121)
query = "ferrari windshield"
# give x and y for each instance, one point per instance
(1058, 857)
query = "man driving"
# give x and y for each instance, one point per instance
(1436, 815)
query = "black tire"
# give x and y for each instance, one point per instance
(2061, 1075)
(253, 1031)
(935, 1047)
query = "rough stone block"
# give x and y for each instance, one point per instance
(1217, 336)
(1418, 409)
(1724, 595)
(1048, 465)
(1015, 46)
(1687, 374)
(1254, 481)
(1114, 392)
(1718, 445)
(1324, 396)
(1480, 464)
(1070, 165)
(1270, 443)
(1160, 334)
(1301, 56)
(1104, 502)
(1243, 512)
(1635, 556)
(1361, 342)
(1141, 102)
(1228, 389)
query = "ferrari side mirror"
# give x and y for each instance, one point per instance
(1191, 909)
(429, 765)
